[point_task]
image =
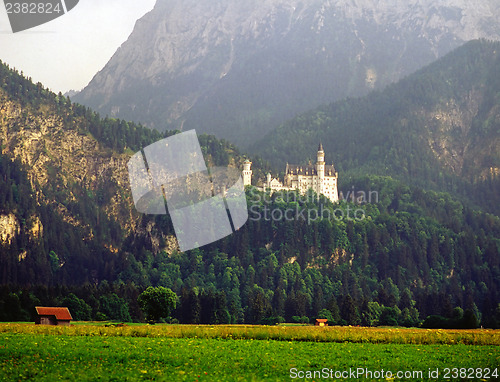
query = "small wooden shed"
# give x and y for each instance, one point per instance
(52, 316)
(321, 322)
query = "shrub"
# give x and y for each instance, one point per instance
(157, 303)
(326, 314)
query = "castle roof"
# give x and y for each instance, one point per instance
(309, 170)
(320, 147)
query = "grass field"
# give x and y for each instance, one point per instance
(89, 352)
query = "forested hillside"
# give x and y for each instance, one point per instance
(438, 128)
(66, 206)
(70, 236)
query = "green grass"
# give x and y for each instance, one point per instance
(91, 353)
(339, 334)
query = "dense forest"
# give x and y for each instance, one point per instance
(407, 255)
(439, 129)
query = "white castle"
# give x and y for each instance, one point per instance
(319, 177)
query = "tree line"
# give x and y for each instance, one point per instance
(414, 254)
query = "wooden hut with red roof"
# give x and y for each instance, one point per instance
(321, 322)
(52, 316)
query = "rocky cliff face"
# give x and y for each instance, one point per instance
(454, 138)
(62, 159)
(9, 228)
(83, 183)
(237, 69)
(64, 182)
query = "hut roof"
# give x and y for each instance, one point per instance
(59, 313)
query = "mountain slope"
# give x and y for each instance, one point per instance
(66, 202)
(237, 69)
(70, 236)
(440, 127)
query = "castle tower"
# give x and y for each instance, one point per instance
(268, 180)
(247, 173)
(320, 169)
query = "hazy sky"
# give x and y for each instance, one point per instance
(67, 52)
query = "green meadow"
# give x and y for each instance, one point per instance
(88, 352)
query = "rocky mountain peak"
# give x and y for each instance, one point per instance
(237, 69)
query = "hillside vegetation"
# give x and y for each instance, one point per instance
(70, 235)
(438, 128)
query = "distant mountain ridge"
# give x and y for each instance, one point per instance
(439, 127)
(238, 69)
